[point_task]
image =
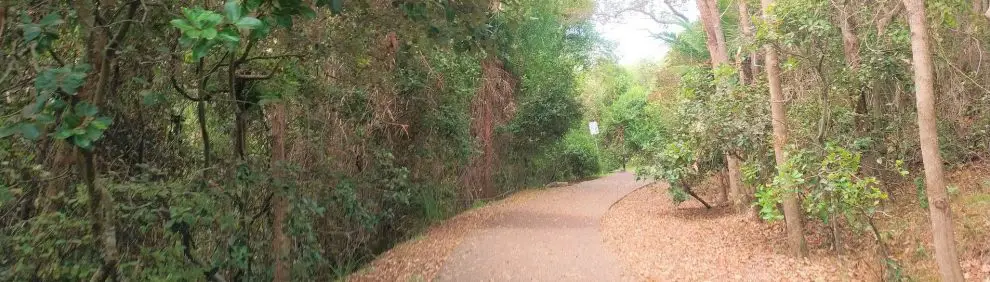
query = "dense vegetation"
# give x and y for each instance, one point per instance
(277, 139)
(260, 139)
(848, 122)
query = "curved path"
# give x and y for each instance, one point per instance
(553, 237)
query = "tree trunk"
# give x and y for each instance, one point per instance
(850, 43)
(940, 211)
(735, 181)
(723, 190)
(280, 242)
(747, 64)
(715, 41)
(747, 71)
(792, 205)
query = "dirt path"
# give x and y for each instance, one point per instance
(554, 237)
(601, 230)
(535, 235)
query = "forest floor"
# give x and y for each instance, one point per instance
(658, 240)
(608, 230)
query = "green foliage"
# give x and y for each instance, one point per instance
(578, 156)
(831, 186)
(541, 51)
(842, 190)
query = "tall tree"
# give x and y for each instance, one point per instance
(747, 70)
(778, 112)
(280, 207)
(715, 41)
(939, 209)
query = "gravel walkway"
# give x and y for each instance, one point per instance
(553, 237)
(535, 235)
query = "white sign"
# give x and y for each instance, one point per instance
(593, 126)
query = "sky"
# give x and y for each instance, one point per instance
(631, 35)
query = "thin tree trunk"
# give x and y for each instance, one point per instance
(204, 134)
(280, 207)
(691, 192)
(792, 205)
(723, 190)
(735, 181)
(939, 209)
(747, 64)
(850, 43)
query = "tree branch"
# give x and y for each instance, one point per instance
(175, 84)
(652, 16)
(676, 13)
(115, 40)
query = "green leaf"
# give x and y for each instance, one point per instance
(30, 131)
(82, 142)
(74, 79)
(209, 19)
(283, 19)
(102, 122)
(192, 14)
(209, 33)
(182, 25)
(86, 109)
(71, 120)
(31, 32)
(194, 34)
(46, 81)
(261, 32)
(229, 35)
(249, 23)
(63, 133)
(93, 134)
(232, 10)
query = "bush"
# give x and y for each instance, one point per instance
(578, 156)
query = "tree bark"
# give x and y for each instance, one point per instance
(747, 64)
(850, 43)
(724, 192)
(735, 182)
(715, 39)
(792, 205)
(280, 206)
(939, 209)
